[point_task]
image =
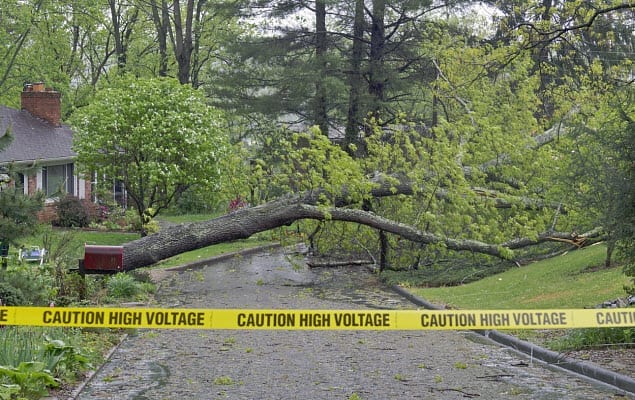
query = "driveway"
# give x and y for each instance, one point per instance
(228, 364)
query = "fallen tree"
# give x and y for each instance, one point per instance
(246, 222)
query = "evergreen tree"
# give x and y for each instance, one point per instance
(18, 212)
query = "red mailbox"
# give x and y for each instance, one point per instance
(101, 260)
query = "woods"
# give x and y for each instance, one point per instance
(458, 126)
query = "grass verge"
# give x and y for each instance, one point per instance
(573, 280)
(210, 251)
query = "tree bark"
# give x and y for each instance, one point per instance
(160, 17)
(121, 31)
(376, 75)
(183, 39)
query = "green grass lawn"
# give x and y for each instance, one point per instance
(210, 251)
(79, 237)
(568, 281)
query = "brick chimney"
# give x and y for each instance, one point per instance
(42, 102)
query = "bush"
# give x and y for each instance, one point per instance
(31, 286)
(122, 286)
(11, 296)
(72, 212)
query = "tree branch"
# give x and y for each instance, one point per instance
(246, 222)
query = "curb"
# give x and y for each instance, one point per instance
(584, 368)
(89, 377)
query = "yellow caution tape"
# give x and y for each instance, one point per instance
(168, 318)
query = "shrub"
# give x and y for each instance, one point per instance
(122, 286)
(11, 296)
(71, 212)
(31, 285)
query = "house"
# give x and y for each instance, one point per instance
(41, 147)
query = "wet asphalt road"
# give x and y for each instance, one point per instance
(206, 364)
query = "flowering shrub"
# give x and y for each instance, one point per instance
(72, 212)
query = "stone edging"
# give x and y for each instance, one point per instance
(89, 377)
(552, 358)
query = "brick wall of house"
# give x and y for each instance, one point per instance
(88, 193)
(48, 213)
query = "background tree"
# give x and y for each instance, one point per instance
(302, 63)
(187, 30)
(600, 156)
(156, 136)
(18, 213)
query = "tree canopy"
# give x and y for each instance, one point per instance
(156, 136)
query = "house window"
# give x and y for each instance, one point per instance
(19, 183)
(120, 194)
(58, 179)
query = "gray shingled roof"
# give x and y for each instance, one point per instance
(33, 138)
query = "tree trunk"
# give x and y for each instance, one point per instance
(377, 79)
(283, 212)
(383, 251)
(121, 31)
(160, 17)
(320, 109)
(354, 119)
(610, 246)
(246, 222)
(182, 41)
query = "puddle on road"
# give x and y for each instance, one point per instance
(158, 377)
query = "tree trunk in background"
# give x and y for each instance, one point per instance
(320, 107)
(383, 250)
(354, 119)
(160, 17)
(182, 39)
(123, 21)
(377, 75)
